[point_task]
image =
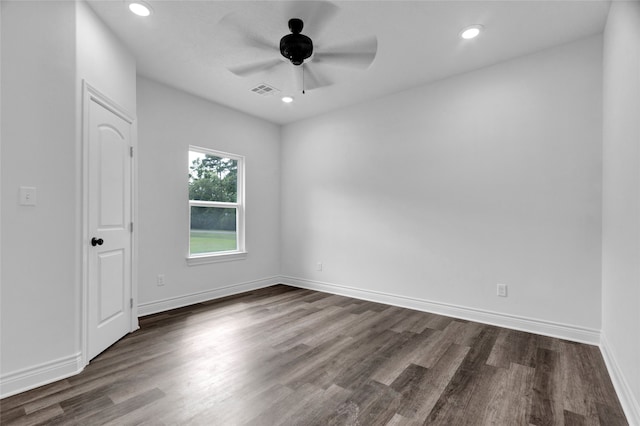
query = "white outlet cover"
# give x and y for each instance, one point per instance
(502, 290)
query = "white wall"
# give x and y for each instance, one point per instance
(169, 121)
(440, 192)
(621, 203)
(103, 61)
(47, 49)
(39, 304)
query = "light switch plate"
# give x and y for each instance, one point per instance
(27, 196)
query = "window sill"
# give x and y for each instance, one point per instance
(216, 258)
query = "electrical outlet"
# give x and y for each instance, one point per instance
(502, 290)
(160, 280)
(319, 266)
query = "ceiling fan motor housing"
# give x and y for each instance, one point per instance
(296, 47)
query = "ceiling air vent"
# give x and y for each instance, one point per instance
(265, 89)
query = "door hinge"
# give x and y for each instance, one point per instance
(131, 226)
(131, 151)
(131, 303)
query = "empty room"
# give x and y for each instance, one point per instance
(320, 212)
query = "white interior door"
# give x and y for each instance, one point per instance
(109, 230)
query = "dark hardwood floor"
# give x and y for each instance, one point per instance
(289, 356)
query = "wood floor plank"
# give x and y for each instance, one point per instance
(404, 355)
(371, 404)
(398, 420)
(287, 356)
(438, 345)
(368, 360)
(41, 416)
(316, 414)
(421, 387)
(19, 401)
(573, 419)
(232, 410)
(544, 403)
(488, 382)
(117, 411)
(511, 402)
(414, 323)
(460, 397)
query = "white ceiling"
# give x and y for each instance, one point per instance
(185, 45)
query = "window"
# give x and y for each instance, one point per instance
(216, 204)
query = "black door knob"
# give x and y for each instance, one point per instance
(96, 241)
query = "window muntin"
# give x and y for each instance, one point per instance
(216, 207)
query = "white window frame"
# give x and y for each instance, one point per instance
(239, 205)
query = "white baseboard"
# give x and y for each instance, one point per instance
(546, 328)
(203, 296)
(629, 403)
(39, 375)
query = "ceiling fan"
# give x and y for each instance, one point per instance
(299, 52)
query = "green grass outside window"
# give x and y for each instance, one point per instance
(202, 241)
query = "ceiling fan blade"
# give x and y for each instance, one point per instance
(348, 59)
(316, 14)
(232, 28)
(357, 54)
(258, 42)
(312, 79)
(255, 67)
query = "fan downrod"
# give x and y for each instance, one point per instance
(296, 47)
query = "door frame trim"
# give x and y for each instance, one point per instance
(89, 94)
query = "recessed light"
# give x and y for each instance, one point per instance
(287, 99)
(471, 32)
(140, 8)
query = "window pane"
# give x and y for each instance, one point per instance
(212, 178)
(213, 229)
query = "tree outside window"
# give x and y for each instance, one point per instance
(215, 201)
